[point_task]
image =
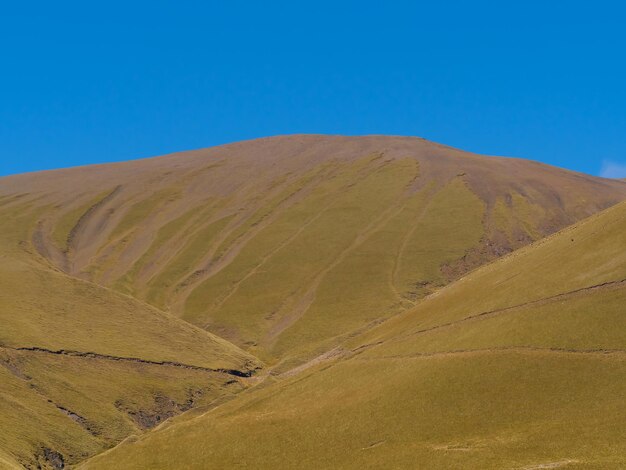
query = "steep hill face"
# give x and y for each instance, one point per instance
(286, 245)
(131, 293)
(83, 367)
(521, 364)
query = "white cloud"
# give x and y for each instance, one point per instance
(613, 169)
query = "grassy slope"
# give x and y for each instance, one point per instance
(487, 373)
(77, 405)
(585, 255)
(7, 462)
(45, 308)
(284, 246)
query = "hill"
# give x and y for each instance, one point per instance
(132, 293)
(519, 364)
(83, 367)
(286, 245)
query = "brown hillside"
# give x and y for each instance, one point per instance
(284, 244)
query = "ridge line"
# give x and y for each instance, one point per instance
(94, 355)
(533, 349)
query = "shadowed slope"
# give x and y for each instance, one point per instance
(521, 364)
(281, 244)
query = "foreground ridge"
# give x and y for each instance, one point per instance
(487, 314)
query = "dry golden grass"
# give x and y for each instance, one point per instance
(127, 290)
(264, 242)
(537, 383)
(79, 362)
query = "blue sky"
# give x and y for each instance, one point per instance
(86, 82)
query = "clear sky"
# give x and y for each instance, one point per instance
(85, 82)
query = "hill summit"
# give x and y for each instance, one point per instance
(131, 293)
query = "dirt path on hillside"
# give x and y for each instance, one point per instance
(393, 278)
(306, 300)
(611, 285)
(616, 353)
(209, 266)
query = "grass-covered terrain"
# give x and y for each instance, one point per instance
(79, 406)
(83, 367)
(285, 246)
(341, 275)
(591, 262)
(45, 308)
(479, 375)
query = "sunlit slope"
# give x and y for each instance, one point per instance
(284, 245)
(82, 367)
(7, 462)
(583, 267)
(44, 308)
(480, 375)
(67, 408)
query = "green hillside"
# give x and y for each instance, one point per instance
(520, 364)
